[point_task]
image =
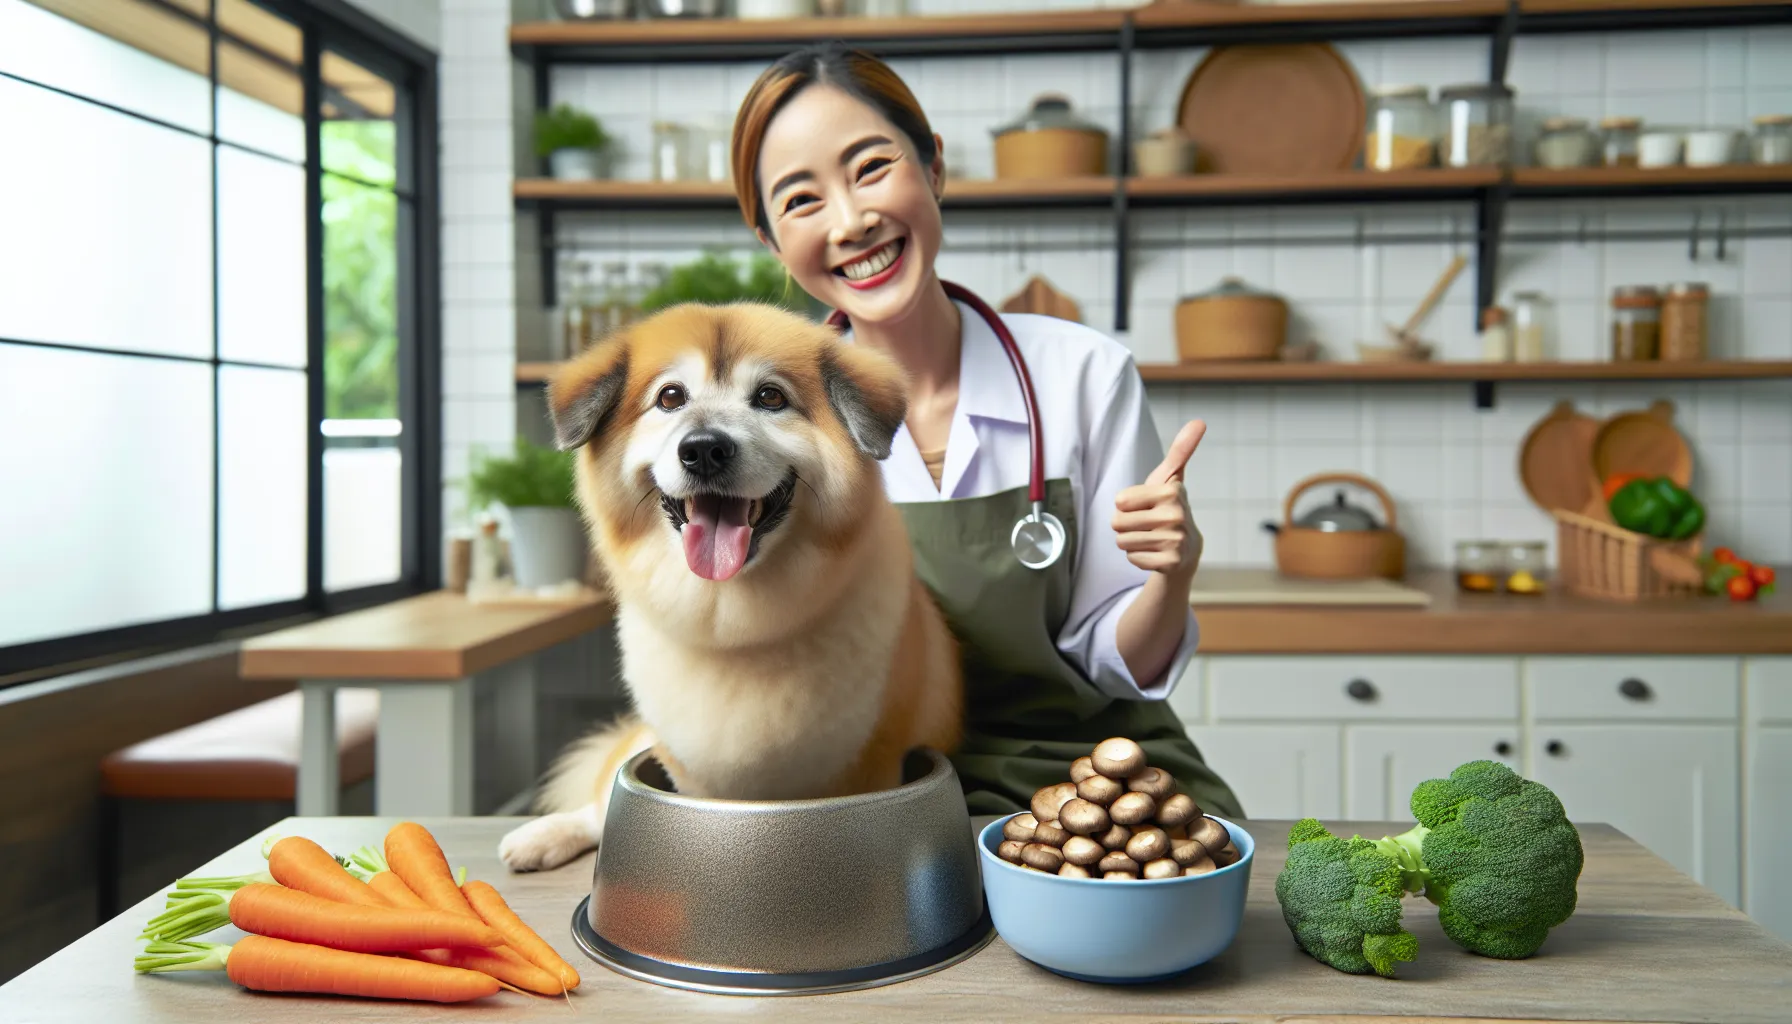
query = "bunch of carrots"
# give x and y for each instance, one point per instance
(391, 923)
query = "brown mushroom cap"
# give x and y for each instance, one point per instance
(1228, 854)
(1118, 758)
(1209, 833)
(1163, 868)
(1050, 833)
(1010, 851)
(1119, 876)
(1049, 798)
(1200, 867)
(1115, 837)
(1187, 851)
(1148, 844)
(1099, 789)
(1177, 810)
(1083, 850)
(1020, 828)
(1041, 856)
(1069, 870)
(1159, 783)
(1084, 818)
(1132, 809)
(1082, 768)
(1118, 862)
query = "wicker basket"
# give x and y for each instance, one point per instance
(1598, 559)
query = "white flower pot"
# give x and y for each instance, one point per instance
(547, 546)
(576, 164)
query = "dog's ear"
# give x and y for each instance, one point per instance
(583, 395)
(868, 393)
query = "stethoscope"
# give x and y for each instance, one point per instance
(1038, 538)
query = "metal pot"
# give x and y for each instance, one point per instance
(1338, 540)
(594, 10)
(1231, 321)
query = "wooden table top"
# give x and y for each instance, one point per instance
(1645, 944)
(1462, 623)
(439, 635)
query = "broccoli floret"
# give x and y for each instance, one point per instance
(1502, 855)
(1495, 852)
(1341, 899)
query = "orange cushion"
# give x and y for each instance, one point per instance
(251, 753)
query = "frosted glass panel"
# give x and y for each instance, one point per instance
(261, 472)
(261, 259)
(363, 503)
(98, 56)
(260, 103)
(106, 473)
(106, 222)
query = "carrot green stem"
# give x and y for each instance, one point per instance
(161, 957)
(223, 883)
(189, 913)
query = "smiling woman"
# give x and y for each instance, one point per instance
(840, 176)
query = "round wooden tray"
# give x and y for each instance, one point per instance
(1643, 441)
(1556, 460)
(1285, 109)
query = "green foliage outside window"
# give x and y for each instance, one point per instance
(360, 272)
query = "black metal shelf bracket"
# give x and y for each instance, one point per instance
(1122, 220)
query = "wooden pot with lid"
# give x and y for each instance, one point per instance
(1339, 540)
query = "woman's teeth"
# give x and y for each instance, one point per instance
(874, 264)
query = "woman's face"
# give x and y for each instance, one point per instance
(854, 213)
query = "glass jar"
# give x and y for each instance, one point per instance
(671, 145)
(578, 309)
(1620, 137)
(616, 311)
(1565, 142)
(1683, 332)
(1496, 336)
(1402, 130)
(1772, 141)
(1478, 566)
(1636, 323)
(1530, 327)
(1477, 124)
(1523, 565)
(707, 150)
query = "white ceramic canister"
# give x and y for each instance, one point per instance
(1658, 149)
(774, 8)
(1710, 148)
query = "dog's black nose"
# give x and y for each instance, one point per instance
(706, 453)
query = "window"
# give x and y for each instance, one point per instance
(218, 352)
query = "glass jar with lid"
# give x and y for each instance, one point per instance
(1477, 124)
(1478, 566)
(1772, 141)
(1620, 135)
(1636, 322)
(1565, 142)
(671, 151)
(1530, 327)
(1683, 322)
(1523, 565)
(1402, 131)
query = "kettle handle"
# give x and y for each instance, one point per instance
(1360, 480)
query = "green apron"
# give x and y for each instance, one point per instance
(1029, 712)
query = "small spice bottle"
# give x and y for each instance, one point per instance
(1636, 322)
(1496, 337)
(1529, 327)
(1683, 320)
(1524, 567)
(1478, 566)
(1621, 140)
(1772, 141)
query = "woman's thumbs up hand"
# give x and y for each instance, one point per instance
(1152, 522)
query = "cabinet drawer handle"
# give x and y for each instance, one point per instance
(1360, 689)
(1554, 748)
(1635, 689)
(1503, 749)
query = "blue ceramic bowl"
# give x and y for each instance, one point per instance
(1115, 932)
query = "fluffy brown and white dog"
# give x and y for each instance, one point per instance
(775, 640)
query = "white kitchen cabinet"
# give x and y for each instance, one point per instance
(1767, 875)
(1672, 788)
(1277, 771)
(1384, 763)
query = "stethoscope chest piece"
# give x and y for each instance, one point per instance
(1038, 538)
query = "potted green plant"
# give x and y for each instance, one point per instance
(573, 142)
(715, 279)
(535, 486)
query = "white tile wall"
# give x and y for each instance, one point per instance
(1452, 469)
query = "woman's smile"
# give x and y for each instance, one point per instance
(875, 267)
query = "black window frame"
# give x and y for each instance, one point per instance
(339, 27)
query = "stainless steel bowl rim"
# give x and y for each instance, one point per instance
(984, 853)
(629, 779)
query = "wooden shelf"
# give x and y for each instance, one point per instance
(689, 195)
(1365, 186)
(1540, 182)
(1346, 372)
(535, 373)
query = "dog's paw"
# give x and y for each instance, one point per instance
(547, 842)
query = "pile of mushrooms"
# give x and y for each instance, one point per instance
(1118, 819)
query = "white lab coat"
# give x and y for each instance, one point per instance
(1098, 434)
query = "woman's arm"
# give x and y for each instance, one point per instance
(1153, 525)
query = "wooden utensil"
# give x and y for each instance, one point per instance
(1555, 462)
(1644, 441)
(1407, 336)
(1289, 109)
(1038, 296)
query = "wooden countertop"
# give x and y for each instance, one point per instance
(1646, 944)
(439, 635)
(1461, 623)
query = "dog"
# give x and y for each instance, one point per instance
(776, 643)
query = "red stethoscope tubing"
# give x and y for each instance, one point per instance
(1035, 438)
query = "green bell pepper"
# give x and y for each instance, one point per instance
(1657, 507)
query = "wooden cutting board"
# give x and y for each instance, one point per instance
(1234, 586)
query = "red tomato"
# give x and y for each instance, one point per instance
(1741, 588)
(1762, 575)
(1722, 555)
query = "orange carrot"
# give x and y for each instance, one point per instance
(281, 913)
(275, 965)
(490, 905)
(501, 962)
(299, 863)
(395, 891)
(413, 855)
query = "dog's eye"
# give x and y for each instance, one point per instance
(671, 397)
(770, 397)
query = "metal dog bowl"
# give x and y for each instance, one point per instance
(751, 897)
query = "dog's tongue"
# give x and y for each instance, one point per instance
(716, 538)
